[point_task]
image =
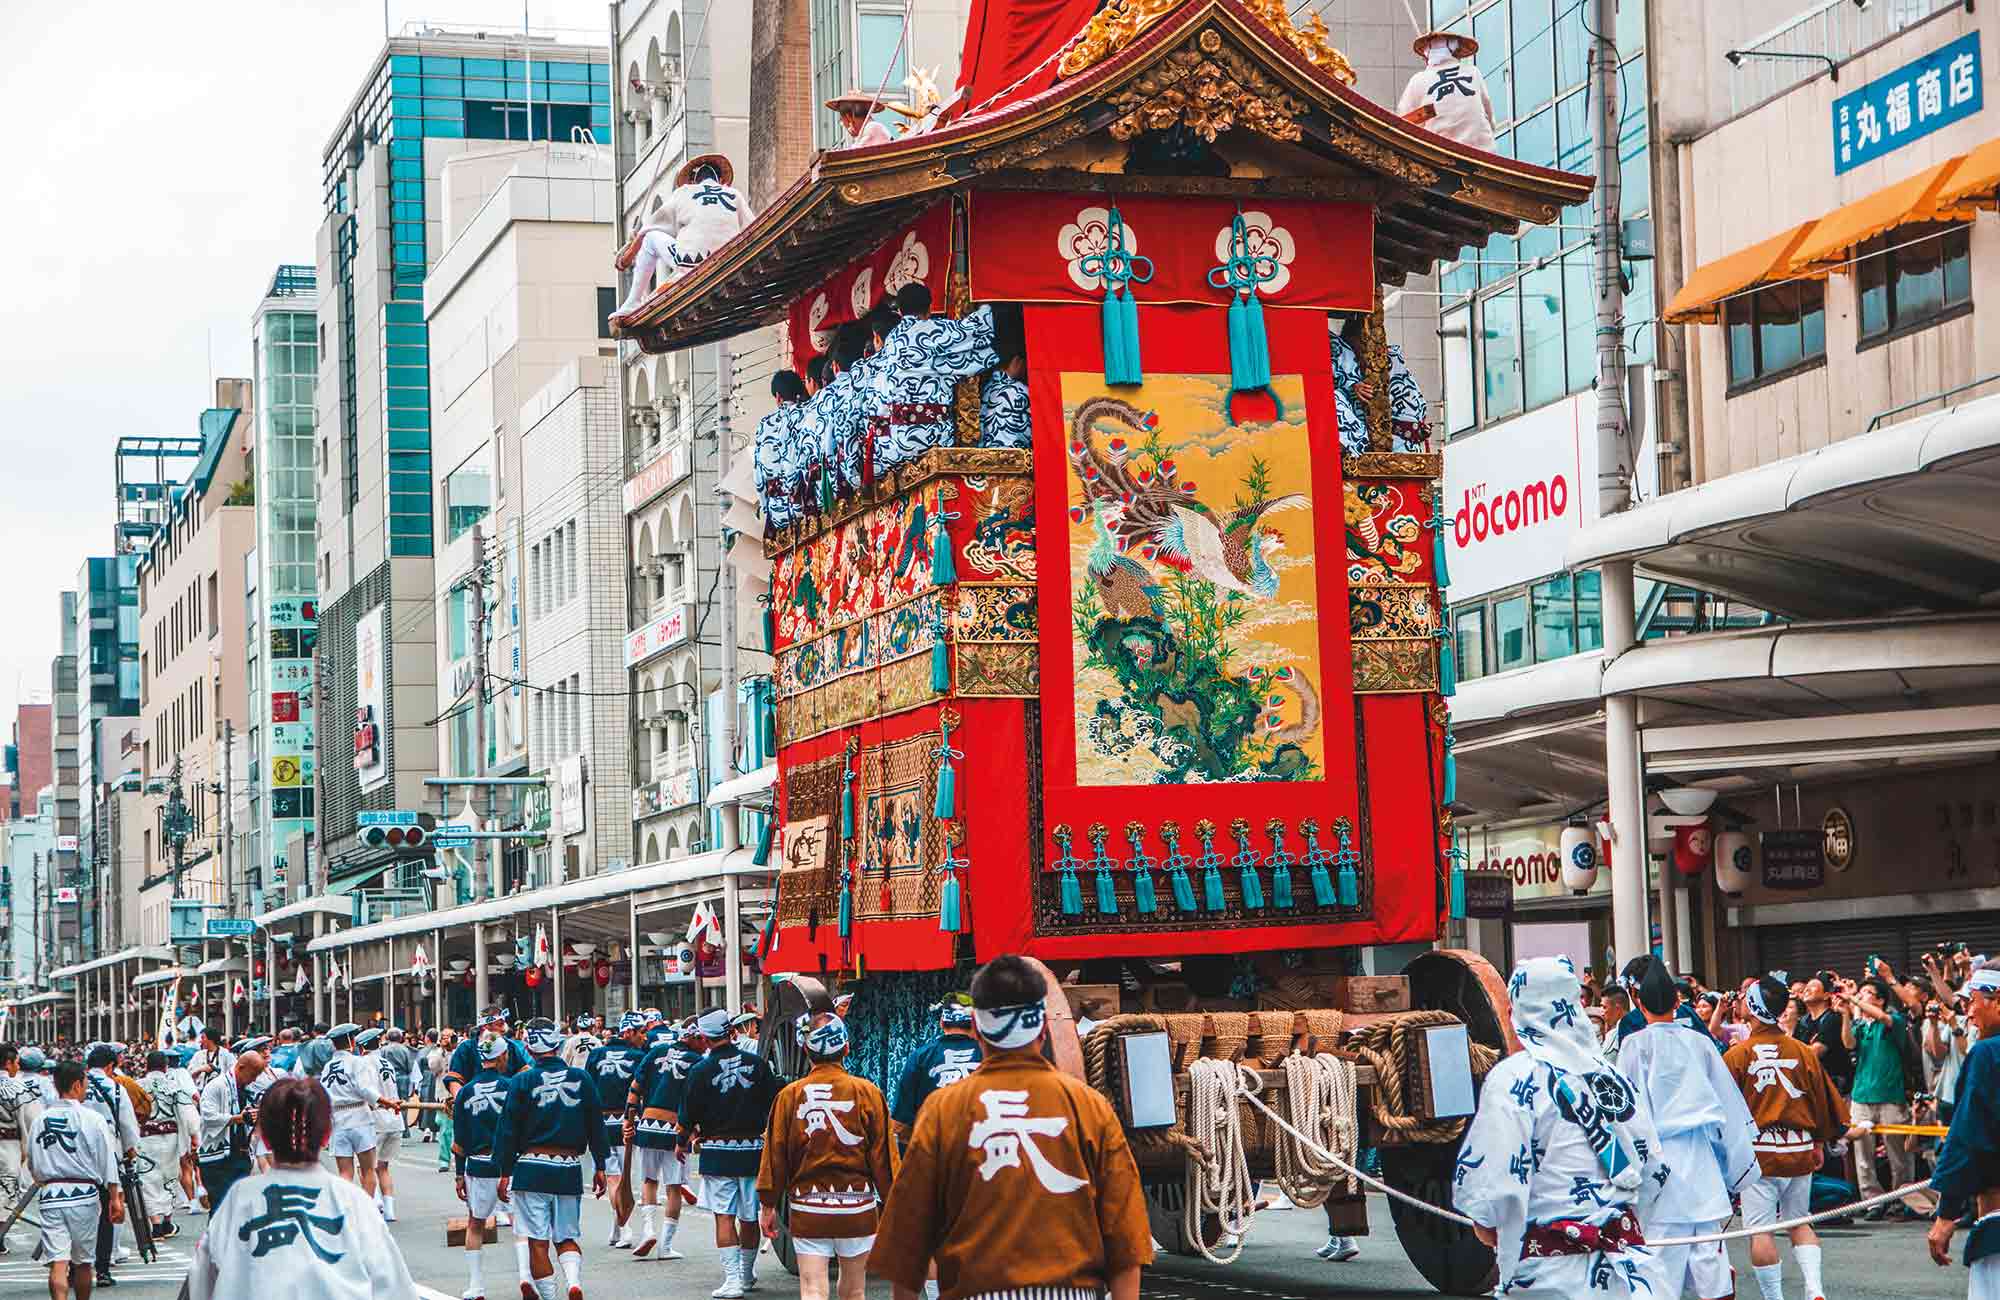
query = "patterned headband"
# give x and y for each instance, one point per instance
(828, 1039)
(1753, 997)
(713, 1024)
(544, 1039)
(1008, 1027)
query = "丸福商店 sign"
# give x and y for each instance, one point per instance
(1793, 859)
(1908, 104)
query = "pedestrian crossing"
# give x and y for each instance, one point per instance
(18, 1267)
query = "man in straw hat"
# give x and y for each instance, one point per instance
(1449, 96)
(857, 109)
(702, 214)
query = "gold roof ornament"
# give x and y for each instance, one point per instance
(1116, 25)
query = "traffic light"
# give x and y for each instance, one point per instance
(404, 838)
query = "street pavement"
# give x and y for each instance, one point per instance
(1881, 1262)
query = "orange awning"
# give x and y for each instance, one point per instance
(1700, 299)
(1975, 183)
(1840, 231)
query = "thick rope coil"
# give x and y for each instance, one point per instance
(1390, 1046)
(1322, 1094)
(1221, 1184)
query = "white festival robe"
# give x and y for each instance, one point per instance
(1524, 1162)
(301, 1231)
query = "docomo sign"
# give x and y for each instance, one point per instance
(1505, 511)
(1517, 493)
(1533, 857)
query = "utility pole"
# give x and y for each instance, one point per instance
(177, 824)
(1624, 776)
(476, 582)
(229, 813)
(732, 820)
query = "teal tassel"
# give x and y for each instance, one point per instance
(944, 567)
(1116, 267)
(1107, 883)
(1245, 863)
(1121, 363)
(1069, 888)
(1281, 865)
(1450, 769)
(1281, 888)
(847, 802)
(949, 920)
(1458, 893)
(763, 855)
(1349, 892)
(1144, 896)
(770, 626)
(944, 807)
(1128, 320)
(940, 658)
(1317, 858)
(1439, 574)
(1175, 864)
(1253, 889)
(1183, 888)
(1447, 664)
(1240, 274)
(1210, 863)
(1259, 360)
(846, 902)
(1239, 346)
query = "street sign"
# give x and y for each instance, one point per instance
(226, 927)
(451, 841)
(388, 817)
(453, 831)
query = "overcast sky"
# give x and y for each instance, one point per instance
(165, 160)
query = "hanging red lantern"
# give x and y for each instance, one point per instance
(466, 979)
(1694, 848)
(533, 978)
(257, 969)
(602, 973)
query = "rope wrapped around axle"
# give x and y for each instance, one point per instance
(1390, 1046)
(1321, 1094)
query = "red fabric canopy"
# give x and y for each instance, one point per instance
(1005, 40)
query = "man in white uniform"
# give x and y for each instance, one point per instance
(355, 1089)
(702, 214)
(163, 1141)
(72, 1154)
(1449, 97)
(15, 1092)
(388, 1120)
(107, 1096)
(857, 120)
(227, 1112)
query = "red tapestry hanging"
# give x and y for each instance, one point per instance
(1028, 247)
(919, 252)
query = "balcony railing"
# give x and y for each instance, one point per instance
(1805, 45)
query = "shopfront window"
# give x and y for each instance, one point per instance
(1589, 611)
(1913, 274)
(1469, 634)
(1775, 328)
(1554, 606)
(1512, 648)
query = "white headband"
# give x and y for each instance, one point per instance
(1009, 1027)
(1984, 980)
(1753, 997)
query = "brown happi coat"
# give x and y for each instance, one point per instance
(1017, 1176)
(828, 1147)
(1770, 1066)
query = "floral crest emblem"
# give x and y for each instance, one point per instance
(1266, 239)
(910, 265)
(1089, 236)
(862, 296)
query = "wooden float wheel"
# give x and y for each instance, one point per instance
(1447, 1254)
(1065, 1049)
(1166, 1203)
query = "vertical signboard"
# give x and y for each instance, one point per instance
(370, 697)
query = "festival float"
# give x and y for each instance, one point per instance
(1159, 699)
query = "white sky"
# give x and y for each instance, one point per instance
(165, 160)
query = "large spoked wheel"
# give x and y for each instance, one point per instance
(1165, 1206)
(1447, 1254)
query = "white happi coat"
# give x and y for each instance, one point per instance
(918, 368)
(1529, 1157)
(1458, 92)
(304, 1231)
(699, 217)
(1704, 1124)
(69, 1141)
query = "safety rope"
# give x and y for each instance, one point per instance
(1220, 1182)
(1323, 1100)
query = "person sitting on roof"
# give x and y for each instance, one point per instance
(1448, 97)
(702, 214)
(857, 120)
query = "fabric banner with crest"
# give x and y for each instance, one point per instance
(1028, 247)
(920, 251)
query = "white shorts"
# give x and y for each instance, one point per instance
(833, 1247)
(1776, 1200)
(658, 1165)
(545, 1216)
(69, 1228)
(614, 1160)
(1985, 1280)
(1701, 1270)
(481, 1195)
(737, 1196)
(353, 1132)
(387, 1145)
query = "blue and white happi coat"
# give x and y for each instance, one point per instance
(1003, 411)
(913, 378)
(551, 1108)
(776, 469)
(1561, 1137)
(834, 425)
(1408, 408)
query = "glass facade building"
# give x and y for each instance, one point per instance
(283, 601)
(107, 688)
(418, 96)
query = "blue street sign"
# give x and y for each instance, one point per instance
(391, 817)
(226, 927)
(452, 830)
(1908, 104)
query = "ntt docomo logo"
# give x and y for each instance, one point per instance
(1483, 514)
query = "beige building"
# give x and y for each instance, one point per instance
(192, 657)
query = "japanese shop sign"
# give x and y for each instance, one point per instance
(1908, 104)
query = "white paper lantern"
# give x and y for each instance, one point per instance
(1734, 859)
(1579, 859)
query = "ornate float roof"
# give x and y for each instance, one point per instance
(1214, 66)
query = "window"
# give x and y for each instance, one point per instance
(1775, 328)
(1500, 341)
(607, 302)
(468, 494)
(881, 54)
(1510, 633)
(1455, 338)
(1911, 275)
(1589, 611)
(1469, 631)
(1554, 611)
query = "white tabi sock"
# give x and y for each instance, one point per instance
(746, 1263)
(572, 1267)
(1809, 1264)
(475, 1274)
(1770, 1280)
(649, 1219)
(667, 1231)
(931, 1290)
(545, 1287)
(521, 1258)
(388, 1207)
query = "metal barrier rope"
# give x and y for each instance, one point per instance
(1452, 1216)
